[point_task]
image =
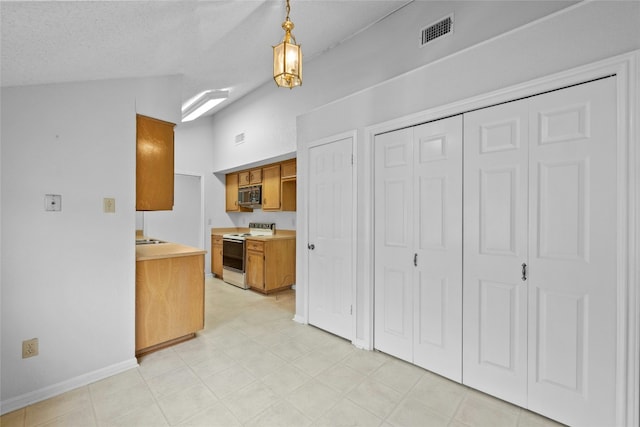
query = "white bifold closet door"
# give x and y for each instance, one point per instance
(418, 245)
(540, 246)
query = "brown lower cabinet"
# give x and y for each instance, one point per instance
(216, 255)
(169, 301)
(271, 264)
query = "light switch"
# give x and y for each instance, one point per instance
(53, 202)
(109, 205)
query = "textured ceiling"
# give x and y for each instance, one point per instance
(220, 44)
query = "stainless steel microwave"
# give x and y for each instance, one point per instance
(250, 197)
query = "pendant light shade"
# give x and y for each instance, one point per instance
(287, 58)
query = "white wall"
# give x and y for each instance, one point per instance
(267, 117)
(573, 37)
(193, 155)
(68, 278)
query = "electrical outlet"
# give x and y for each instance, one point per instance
(109, 205)
(30, 348)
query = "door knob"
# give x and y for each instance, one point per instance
(311, 246)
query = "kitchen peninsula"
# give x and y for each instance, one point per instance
(169, 293)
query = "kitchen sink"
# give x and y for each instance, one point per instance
(148, 241)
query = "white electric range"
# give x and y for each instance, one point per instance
(234, 253)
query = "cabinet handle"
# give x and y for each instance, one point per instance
(415, 260)
(524, 272)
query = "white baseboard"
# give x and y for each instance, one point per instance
(18, 402)
(361, 344)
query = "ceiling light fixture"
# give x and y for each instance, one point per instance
(287, 58)
(202, 103)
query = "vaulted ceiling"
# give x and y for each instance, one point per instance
(219, 44)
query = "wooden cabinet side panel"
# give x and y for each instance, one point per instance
(280, 264)
(154, 164)
(169, 299)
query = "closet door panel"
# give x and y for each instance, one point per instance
(572, 247)
(438, 227)
(394, 240)
(495, 224)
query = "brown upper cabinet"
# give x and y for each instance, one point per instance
(154, 164)
(231, 191)
(278, 182)
(251, 177)
(271, 188)
(255, 176)
(288, 169)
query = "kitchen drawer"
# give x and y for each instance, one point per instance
(216, 240)
(254, 245)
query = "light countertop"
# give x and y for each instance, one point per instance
(165, 250)
(279, 234)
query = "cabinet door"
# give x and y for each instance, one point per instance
(255, 269)
(244, 178)
(289, 169)
(231, 192)
(216, 255)
(271, 188)
(255, 176)
(495, 247)
(154, 164)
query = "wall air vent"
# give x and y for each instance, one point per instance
(240, 138)
(436, 30)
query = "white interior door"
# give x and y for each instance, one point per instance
(331, 237)
(495, 247)
(184, 224)
(572, 254)
(437, 296)
(394, 242)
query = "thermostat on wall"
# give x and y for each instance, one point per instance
(53, 202)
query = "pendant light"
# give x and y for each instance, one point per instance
(287, 58)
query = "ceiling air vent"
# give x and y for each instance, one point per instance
(240, 138)
(434, 31)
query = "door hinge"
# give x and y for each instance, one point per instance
(353, 160)
(351, 309)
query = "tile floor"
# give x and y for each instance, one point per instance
(253, 366)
